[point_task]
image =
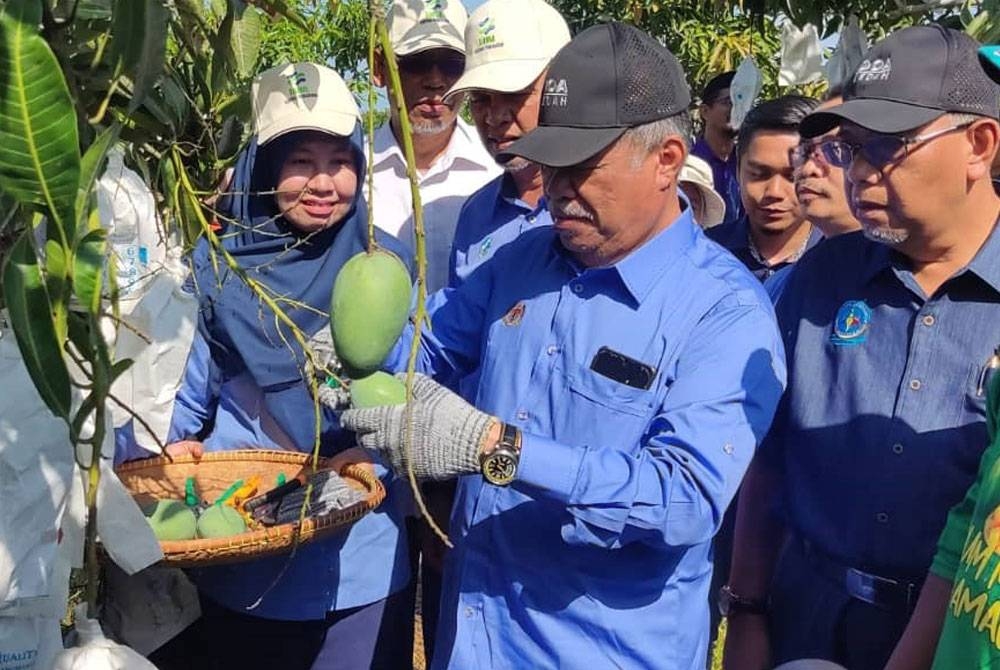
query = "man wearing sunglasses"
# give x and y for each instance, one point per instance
(822, 194)
(428, 39)
(888, 334)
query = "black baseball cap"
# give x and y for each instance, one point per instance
(910, 78)
(609, 78)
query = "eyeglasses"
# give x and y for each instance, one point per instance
(450, 66)
(880, 151)
(807, 151)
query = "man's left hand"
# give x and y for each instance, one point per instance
(447, 434)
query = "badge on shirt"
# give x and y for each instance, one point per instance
(514, 316)
(484, 248)
(851, 325)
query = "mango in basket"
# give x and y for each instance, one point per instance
(220, 521)
(171, 520)
(378, 388)
(368, 309)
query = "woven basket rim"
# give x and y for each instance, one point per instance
(271, 539)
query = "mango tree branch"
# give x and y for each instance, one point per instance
(420, 316)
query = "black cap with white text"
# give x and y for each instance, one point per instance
(609, 78)
(910, 78)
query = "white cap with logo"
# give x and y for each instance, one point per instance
(509, 43)
(302, 96)
(419, 25)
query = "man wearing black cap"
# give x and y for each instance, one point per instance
(891, 336)
(629, 367)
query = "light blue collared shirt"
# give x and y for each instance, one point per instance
(599, 554)
(492, 217)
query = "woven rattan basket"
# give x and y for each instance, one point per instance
(157, 478)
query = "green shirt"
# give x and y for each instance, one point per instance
(969, 556)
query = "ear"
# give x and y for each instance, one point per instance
(379, 74)
(669, 160)
(984, 140)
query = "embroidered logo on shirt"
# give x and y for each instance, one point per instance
(484, 248)
(851, 325)
(514, 316)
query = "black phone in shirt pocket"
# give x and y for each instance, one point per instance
(623, 369)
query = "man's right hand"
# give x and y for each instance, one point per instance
(185, 448)
(747, 643)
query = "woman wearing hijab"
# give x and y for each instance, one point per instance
(295, 215)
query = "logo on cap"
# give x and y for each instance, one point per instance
(873, 70)
(487, 38)
(298, 85)
(556, 93)
(433, 11)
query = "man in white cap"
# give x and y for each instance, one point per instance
(509, 44)
(427, 37)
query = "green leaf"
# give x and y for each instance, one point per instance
(93, 163)
(244, 43)
(39, 152)
(120, 368)
(30, 314)
(88, 269)
(140, 43)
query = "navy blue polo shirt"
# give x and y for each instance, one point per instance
(735, 237)
(881, 429)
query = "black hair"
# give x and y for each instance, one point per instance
(781, 114)
(715, 85)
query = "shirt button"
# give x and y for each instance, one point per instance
(897, 448)
(530, 218)
(728, 448)
(469, 612)
(577, 288)
(552, 350)
(522, 415)
(915, 384)
(882, 517)
(928, 320)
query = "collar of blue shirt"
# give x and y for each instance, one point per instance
(640, 270)
(985, 264)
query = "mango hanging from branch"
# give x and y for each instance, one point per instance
(368, 309)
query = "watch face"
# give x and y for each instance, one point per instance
(499, 468)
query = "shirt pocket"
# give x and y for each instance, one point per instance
(617, 414)
(972, 405)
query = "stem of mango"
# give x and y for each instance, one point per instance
(420, 316)
(370, 119)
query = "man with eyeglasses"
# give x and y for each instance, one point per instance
(717, 142)
(629, 367)
(428, 39)
(821, 192)
(889, 334)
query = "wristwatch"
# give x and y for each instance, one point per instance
(499, 464)
(730, 603)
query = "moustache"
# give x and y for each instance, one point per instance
(570, 210)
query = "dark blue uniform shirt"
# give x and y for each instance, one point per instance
(882, 426)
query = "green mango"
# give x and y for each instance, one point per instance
(377, 389)
(171, 520)
(368, 309)
(220, 521)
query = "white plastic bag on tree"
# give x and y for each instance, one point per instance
(93, 651)
(801, 55)
(743, 90)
